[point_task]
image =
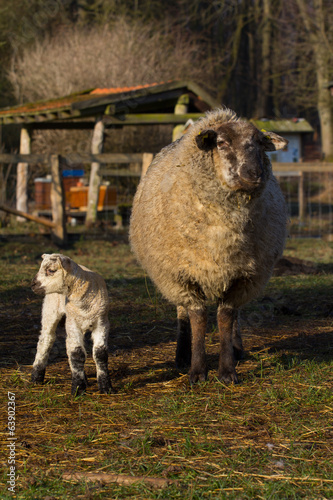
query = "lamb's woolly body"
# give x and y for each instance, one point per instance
(81, 295)
(194, 236)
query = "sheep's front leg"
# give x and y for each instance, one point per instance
(226, 317)
(51, 315)
(76, 356)
(100, 355)
(198, 320)
(183, 353)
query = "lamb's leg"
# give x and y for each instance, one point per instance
(237, 339)
(76, 356)
(50, 319)
(183, 353)
(198, 320)
(226, 317)
(100, 355)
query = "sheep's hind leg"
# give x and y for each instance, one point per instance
(226, 317)
(237, 339)
(50, 319)
(100, 355)
(76, 357)
(198, 320)
(183, 353)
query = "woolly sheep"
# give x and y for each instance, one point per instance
(81, 295)
(209, 222)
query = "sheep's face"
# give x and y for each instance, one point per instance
(238, 150)
(51, 277)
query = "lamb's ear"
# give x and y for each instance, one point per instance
(272, 141)
(206, 140)
(65, 262)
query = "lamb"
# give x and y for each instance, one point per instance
(81, 295)
(208, 223)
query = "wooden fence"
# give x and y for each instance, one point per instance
(58, 223)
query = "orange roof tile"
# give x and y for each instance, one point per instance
(117, 90)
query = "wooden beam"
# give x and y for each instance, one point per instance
(74, 158)
(34, 218)
(146, 161)
(123, 172)
(95, 179)
(58, 202)
(64, 125)
(181, 108)
(23, 158)
(318, 167)
(150, 118)
(22, 175)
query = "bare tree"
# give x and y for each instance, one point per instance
(318, 28)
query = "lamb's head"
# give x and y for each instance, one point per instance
(239, 153)
(51, 277)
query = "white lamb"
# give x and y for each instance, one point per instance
(81, 295)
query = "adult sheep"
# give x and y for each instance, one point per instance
(209, 222)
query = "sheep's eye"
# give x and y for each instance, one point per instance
(221, 143)
(50, 272)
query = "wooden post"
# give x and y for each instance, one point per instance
(181, 108)
(95, 179)
(147, 158)
(301, 197)
(59, 232)
(22, 175)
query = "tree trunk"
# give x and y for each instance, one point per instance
(315, 26)
(262, 107)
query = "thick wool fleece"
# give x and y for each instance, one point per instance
(194, 236)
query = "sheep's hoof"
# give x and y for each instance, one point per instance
(197, 376)
(38, 375)
(228, 377)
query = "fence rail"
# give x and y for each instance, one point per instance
(299, 172)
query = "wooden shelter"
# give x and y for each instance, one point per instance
(173, 102)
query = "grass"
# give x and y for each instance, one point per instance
(268, 437)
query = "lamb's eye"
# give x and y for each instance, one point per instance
(50, 272)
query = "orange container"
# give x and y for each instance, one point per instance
(78, 197)
(42, 193)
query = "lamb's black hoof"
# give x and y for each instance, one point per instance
(78, 386)
(38, 375)
(104, 385)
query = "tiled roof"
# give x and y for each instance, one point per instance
(119, 90)
(65, 103)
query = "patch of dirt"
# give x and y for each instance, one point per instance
(290, 266)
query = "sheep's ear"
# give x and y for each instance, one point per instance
(272, 141)
(206, 140)
(65, 262)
